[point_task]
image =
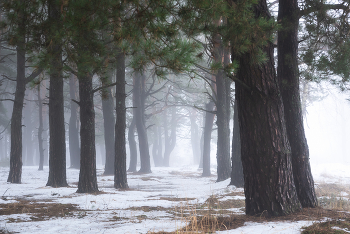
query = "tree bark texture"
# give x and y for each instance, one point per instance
(266, 158)
(237, 178)
(74, 146)
(57, 149)
(139, 94)
(208, 127)
(87, 176)
(289, 78)
(109, 125)
(16, 119)
(120, 175)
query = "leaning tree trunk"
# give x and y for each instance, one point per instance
(109, 125)
(266, 158)
(74, 147)
(289, 78)
(208, 127)
(120, 176)
(87, 176)
(16, 119)
(139, 93)
(237, 178)
(57, 149)
(40, 131)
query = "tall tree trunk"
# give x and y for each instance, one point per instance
(16, 119)
(40, 131)
(237, 178)
(120, 175)
(109, 125)
(87, 176)
(157, 147)
(57, 151)
(169, 140)
(139, 94)
(208, 127)
(222, 121)
(195, 139)
(74, 147)
(266, 158)
(132, 145)
(289, 78)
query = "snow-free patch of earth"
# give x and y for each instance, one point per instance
(161, 201)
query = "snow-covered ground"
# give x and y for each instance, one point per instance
(149, 205)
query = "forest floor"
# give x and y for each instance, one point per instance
(169, 200)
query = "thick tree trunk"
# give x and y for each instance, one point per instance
(139, 94)
(208, 127)
(40, 131)
(132, 145)
(237, 178)
(266, 158)
(74, 147)
(109, 125)
(120, 175)
(57, 151)
(289, 78)
(87, 176)
(169, 140)
(16, 119)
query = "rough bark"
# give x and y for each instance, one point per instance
(289, 78)
(16, 119)
(74, 146)
(87, 176)
(223, 124)
(208, 127)
(40, 131)
(139, 94)
(120, 176)
(266, 158)
(237, 178)
(109, 125)
(57, 149)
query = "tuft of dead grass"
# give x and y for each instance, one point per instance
(333, 196)
(211, 223)
(43, 210)
(339, 226)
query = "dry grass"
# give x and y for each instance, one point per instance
(210, 224)
(43, 210)
(329, 227)
(333, 196)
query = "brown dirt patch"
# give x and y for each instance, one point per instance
(42, 210)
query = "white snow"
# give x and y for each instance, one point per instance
(160, 194)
